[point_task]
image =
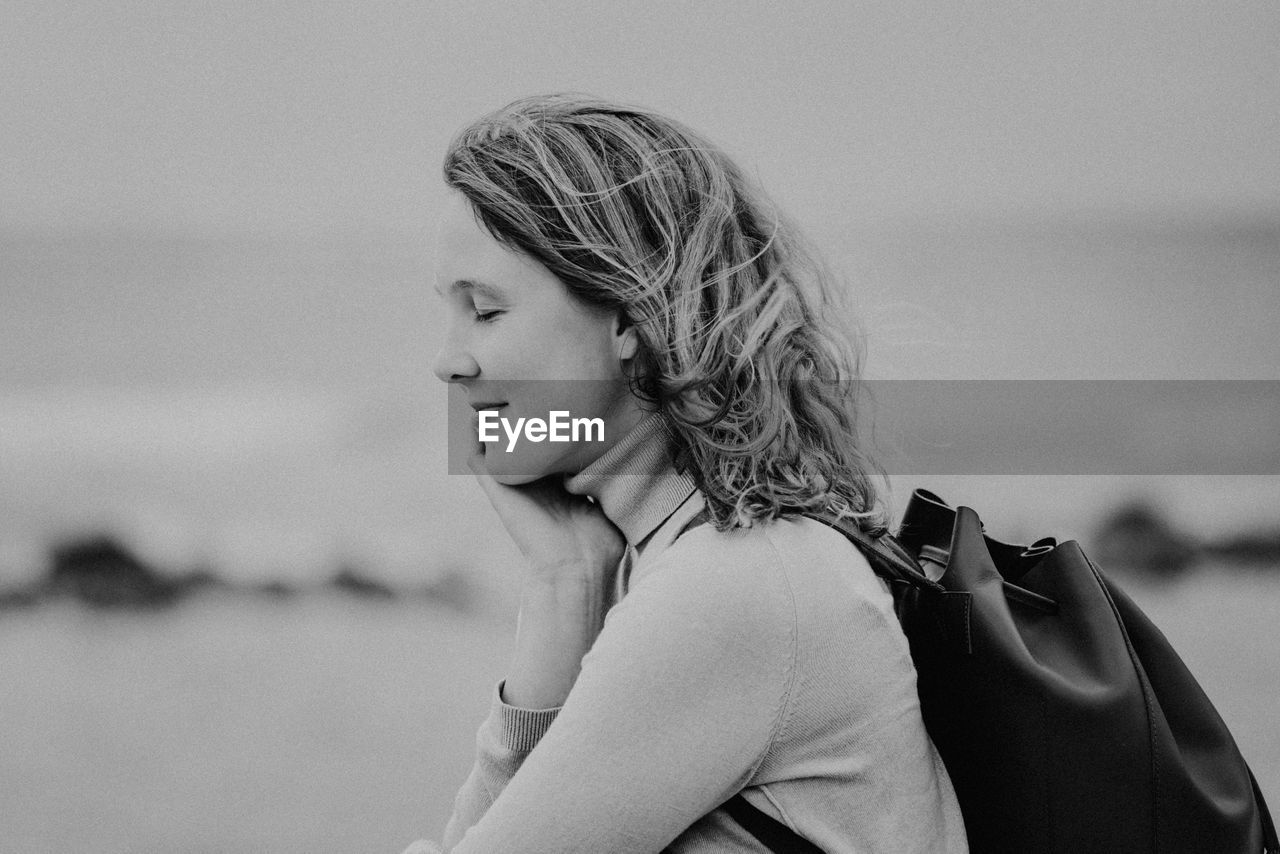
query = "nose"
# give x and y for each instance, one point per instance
(454, 363)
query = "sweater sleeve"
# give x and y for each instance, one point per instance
(503, 741)
(676, 705)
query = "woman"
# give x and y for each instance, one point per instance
(683, 633)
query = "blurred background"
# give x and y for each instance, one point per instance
(243, 606)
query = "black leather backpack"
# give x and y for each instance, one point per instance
(1067, 723)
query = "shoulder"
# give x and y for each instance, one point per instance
(732, 577)
(788, 569)
(796, 549)
(791, 570)
(711, 617)
(737, 564)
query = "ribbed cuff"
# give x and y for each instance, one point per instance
(520, 729)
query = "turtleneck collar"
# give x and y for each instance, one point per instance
(635, 482)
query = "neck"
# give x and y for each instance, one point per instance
(635, 482)
(619, 424)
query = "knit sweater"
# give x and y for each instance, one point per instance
(766, 657)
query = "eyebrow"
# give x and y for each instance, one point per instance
(482, 288)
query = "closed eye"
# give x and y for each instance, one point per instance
(487, 316)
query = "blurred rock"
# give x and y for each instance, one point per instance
(1256, 548)
(19, 597)
(350, 581)
(275, 588)
(101, 572)
(200, 580)
(1137, 536)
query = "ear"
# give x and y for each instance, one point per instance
(625, 339)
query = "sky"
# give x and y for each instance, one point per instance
(213, 194)
(320, 118)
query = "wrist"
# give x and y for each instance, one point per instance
(570, 600)
(561, 613)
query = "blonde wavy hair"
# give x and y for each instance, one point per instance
(744, 342)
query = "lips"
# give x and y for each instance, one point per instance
(481, 406)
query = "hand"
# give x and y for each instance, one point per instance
(571, 549)
(558, 533)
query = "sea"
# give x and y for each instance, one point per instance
(263, 411)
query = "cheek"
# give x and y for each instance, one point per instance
(589, 355)
(525, 346)
(543, 346)
(599, 403)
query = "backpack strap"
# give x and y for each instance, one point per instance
(770, 832)
(890, 560)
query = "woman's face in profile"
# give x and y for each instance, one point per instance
(522, 346)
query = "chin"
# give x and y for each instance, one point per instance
(519, 468)
(515, 471)
(515, 479)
